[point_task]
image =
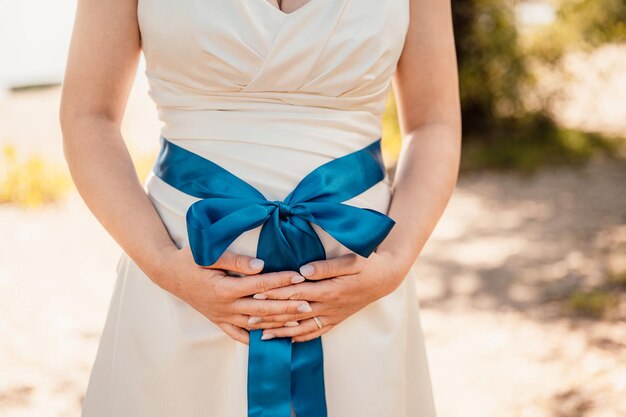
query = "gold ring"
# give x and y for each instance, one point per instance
(318, 322)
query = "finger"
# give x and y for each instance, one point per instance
(255, 322)
(347, 264)
(312, 335)
(235, 262)
(316, 310)
(253, 284)
(305, 327)
(262, 308)
(236, 333)
(309, 291)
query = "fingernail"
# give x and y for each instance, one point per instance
(260, 296)
(304, 308)
(255, 320)
(267, 336)
(307, 270)
(292, 324)
(297, 278)
(256, 263)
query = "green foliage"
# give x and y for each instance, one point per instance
(601, 302)
(597, 303)
(531, 142)
(492, 69)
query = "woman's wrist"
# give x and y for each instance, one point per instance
(398, 265)
(402, 256)
(160, 265)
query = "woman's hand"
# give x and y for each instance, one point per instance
(339, 287)
(226, 300)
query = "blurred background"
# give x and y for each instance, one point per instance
(522, 285)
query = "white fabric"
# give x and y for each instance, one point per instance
(268, 96)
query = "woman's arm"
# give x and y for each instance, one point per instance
(101, 67)
(427, 93)
(427, 96)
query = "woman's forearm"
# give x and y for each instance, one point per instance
(106, 179)
(425, 177)
(101, 67)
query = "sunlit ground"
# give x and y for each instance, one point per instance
(521, 285)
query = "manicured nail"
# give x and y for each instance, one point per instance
(255, 320)
(256, 263)
(260, 296)
(292, 324)
(307, 270)
(304, 308)
(297, 278)
(267, 336)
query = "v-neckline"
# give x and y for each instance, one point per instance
(286, 15)
(295, 40)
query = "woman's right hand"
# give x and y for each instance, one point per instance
(225, 300)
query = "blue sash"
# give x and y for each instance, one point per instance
(279, 372)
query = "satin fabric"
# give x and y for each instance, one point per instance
(269, 97)
(279, 373)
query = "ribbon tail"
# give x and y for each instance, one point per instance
(269, 376)
(291, 372)
(307, 363)
(269, 361)
(307, 379)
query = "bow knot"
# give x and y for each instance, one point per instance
(284, 210)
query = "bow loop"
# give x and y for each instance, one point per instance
(213, 224)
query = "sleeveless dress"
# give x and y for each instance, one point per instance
(269, 96)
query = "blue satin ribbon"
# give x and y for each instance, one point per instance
(280, 373)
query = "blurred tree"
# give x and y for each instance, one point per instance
(491, 66)
(499, 131)
(581, 24)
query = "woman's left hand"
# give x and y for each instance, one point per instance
(337, 288)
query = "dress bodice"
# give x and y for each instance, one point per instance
(223, 69)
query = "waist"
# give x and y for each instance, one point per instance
(228, 206)
(273, 170)
(307, 128)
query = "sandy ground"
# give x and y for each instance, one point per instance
(491, 283)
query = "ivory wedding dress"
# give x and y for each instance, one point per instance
(269, 96)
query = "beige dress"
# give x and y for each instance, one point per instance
(269, 96)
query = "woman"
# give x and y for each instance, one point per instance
(258, 95)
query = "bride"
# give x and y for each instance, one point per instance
(266, 263)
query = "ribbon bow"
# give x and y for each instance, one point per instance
(280, 373)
